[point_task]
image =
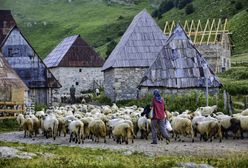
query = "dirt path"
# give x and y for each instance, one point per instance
(174, 148)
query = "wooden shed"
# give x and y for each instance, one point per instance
(29, 66)
(179, 67)
(128, 62)
(12, 88)
(74, 62)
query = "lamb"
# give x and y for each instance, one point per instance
(36, 124)
(244, 125)
(86, 122)
(20, 120)
(144, 125)
(205, 111)
(28, 127)
(61, 126)
(76, 129)
(122, 132)
(208, 129)
(50, 125)
(98, 129)
(182, 126)
(245, 112)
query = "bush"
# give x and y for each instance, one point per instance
(110, 47)
(182, 3)
(166, 6)
(238, 5)
(8, 125)
(189, 9)
(39, 107)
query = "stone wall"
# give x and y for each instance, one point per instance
(83, 79)
(121, 83)
(217, 56)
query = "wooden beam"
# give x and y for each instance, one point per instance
(210, 32)
(11, 111)
(9, 117)
(204, 31)
(11, 103)
(198, 24)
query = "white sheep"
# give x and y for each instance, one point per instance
(209, 129)
(144, 126)
(243, 125)
(207, 110)
(98, 129)
(76, 129)
(182, 126)
(123, 132)
(50, 125)
(20, 120)
(245, 112)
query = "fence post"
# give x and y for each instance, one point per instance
(225, 101)
(230, 107)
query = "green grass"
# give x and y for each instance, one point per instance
(45, 23)
(8, 125)
(239, 58)
(78, 157)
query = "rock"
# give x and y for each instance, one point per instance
(8, 152)
(193, 165)
(127, 153)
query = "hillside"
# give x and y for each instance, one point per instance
(46, 22)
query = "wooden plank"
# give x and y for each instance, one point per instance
(11, 103)
(11, 111)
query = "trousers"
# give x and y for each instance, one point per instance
(161, 124)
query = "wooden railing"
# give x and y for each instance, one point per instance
(8, 110)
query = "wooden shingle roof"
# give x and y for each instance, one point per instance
(8, 76)
(73, 51)
(139, 45)
(179, 65)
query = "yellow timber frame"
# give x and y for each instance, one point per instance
(201, 33)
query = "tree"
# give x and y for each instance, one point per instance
(110, 48)
(189, 9)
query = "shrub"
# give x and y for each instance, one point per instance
(166, 6)
(182, 3)
(238, 5)
(189, 9)
(110, 47)
(39, 107)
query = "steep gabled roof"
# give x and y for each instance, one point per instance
(73, 51)
(139, 45)
(50, 80)
(179, 65)
(8, 76)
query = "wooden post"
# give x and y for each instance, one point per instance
(225, 101)
(230, 106)
(245, 102)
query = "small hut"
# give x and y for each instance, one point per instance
(12, 88)
(74, 62)
(128, 62)
(179, 68)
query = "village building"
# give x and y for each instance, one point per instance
(131, 58)
(12, 88)
(25, 61)
(211, 38)
(218, 55)
(74, 62)
(29, 67)
(179, 68)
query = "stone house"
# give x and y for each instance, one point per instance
(29, 66)
(218, 55)
(74, 62)
(131, 58)
(179, 68)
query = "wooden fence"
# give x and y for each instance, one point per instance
(8, 110)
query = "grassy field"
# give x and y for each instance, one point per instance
(62, 156)
(45, 23)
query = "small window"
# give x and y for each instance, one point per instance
(80, 70)
(77, 83)
(10, 52)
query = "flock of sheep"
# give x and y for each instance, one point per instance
(90, 121)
